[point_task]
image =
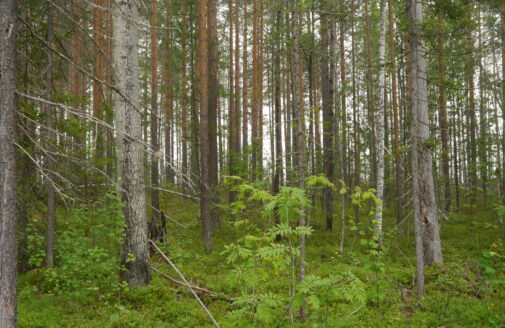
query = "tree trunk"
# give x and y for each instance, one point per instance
(169, 118)
(155, 145)
(203, 75)
(231, 101)
(98, 64)
(327, 104)
(370, 95)
(472, 151)
(428, 246)
(396, 121)
(8, 182)
(245, 109)
(443, 119)
(503, 98)
(213, 99)
(134, 252)
(255, 92)
(300, 133)
(50, 138)
(276, 181)
(355, 118)
(380, 121)
(185, 173)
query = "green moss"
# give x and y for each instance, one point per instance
(456, 294)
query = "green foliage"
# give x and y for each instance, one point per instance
(288, 204)
(318, 181)
(86, 251)
(35, 245)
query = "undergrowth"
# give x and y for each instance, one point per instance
(368, 285)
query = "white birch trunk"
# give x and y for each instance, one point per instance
(380, 121)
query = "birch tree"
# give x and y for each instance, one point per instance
(380, 121)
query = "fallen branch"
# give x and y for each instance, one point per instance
(201, 290)
(186, 283)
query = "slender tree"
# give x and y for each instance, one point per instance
(380, 120)
(203, 75)
(213, 101)
(327, 107)
(155, 144)
(442, 113)
(50, 137)
(396, 120)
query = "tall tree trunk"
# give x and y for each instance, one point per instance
(237, 80)
(472, 152)
(129, 146)
(8, 182)
(155, 145)
(231, 101)
(396, 121)
(169, 117)
(255, 91)
(110, 113)
(327, 102)
(503, 98)
(244, 82)
(50, 138)
(276, 181)
(98, 64)
(213, 99)
(300, 133)
(428, 246)
(185, 136)
(370, 95)
(343, 95)
(234, 81)
(355, 118)
(203, 75)
(443, 119)
(380, 121)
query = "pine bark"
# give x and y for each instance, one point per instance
(50, 137)
(99, 65)
(169, 117)
(203, 75)
(328, 117)
(134, 251)
(212, 107)
(428, 245)
(155, 145)
(276, 181)
(444, 133)
(396, 121)
(472, 145)
(300, 133)
(8, 182)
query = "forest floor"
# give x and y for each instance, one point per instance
(466, 291)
